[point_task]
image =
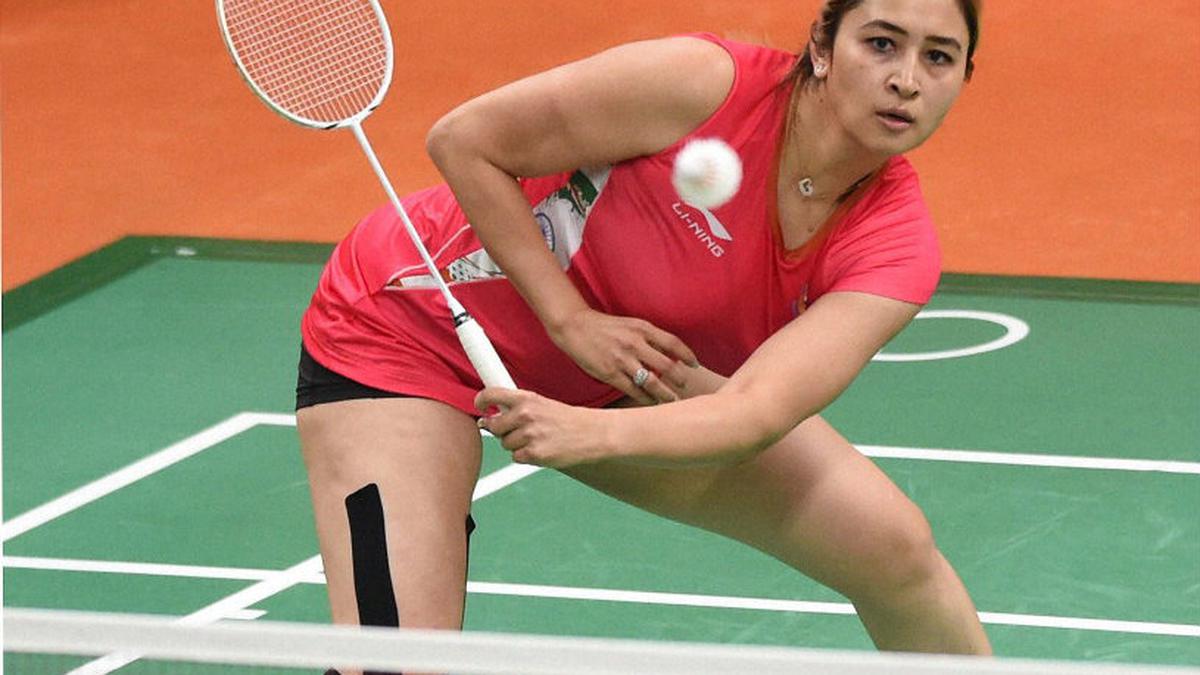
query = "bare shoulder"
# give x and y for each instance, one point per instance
(648, 93)
(693, 72)
(627, 101)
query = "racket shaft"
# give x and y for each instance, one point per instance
(455, 307)
(483, 355)
(479, 349)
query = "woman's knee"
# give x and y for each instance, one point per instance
(902, 557)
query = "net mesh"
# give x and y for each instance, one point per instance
(41, 642)
(320, 60)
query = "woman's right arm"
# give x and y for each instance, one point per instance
(626, 102)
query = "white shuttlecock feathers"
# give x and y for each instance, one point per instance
(707, 173)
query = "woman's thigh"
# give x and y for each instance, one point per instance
(811, 500)
(410, 464)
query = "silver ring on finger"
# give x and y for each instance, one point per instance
(640, 376)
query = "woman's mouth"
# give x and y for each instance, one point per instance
(896, 119)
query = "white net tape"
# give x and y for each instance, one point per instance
(312, 646)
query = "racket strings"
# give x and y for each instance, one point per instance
(322, 60)
(290, 29)
(315, 57)
(309, 74)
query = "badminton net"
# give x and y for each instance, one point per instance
(42, 642)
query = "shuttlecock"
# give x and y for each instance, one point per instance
(707, 173)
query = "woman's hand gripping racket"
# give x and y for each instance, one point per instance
(327, 64)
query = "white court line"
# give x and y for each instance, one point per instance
(658, 598)
(147, 569)
(1017, 459)
(502, 478)
(274, 583)
(138, 470)
(314, 576)
(807, 607)
(1104, 625)
(247, 615)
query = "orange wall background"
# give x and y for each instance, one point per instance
(1074, 152)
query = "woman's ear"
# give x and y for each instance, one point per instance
(820, 61)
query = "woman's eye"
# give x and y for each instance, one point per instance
(940, 58)
(880, 44)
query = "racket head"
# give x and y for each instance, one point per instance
(320, 63)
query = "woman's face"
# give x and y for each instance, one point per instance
(897, 68)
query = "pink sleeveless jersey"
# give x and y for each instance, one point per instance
(720, 280)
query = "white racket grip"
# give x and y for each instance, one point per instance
(482, 354)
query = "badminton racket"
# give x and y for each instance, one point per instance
(327, 64)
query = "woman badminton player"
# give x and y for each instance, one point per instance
(673, 357)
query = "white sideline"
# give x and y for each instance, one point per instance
(1020, 459)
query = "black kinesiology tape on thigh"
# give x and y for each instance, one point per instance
(372, 574)
(466, 566)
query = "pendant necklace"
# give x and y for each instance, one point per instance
(808, 188)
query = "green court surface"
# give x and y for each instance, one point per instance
(1061, 472)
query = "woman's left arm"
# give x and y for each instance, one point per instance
(793, 375)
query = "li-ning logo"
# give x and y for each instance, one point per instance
(706, 235)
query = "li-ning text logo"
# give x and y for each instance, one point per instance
(707, 236)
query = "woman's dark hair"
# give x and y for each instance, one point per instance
(825, 30)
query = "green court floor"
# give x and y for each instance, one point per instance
(1061, 472)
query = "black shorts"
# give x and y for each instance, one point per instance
(318, 384)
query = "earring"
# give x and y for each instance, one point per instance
(819, 69)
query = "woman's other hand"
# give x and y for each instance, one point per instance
(630, 355)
